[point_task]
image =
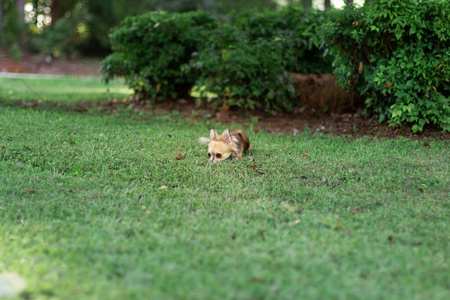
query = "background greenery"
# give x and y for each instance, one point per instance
(397, 53)
(243, 62)
(68, 28)
(150, 50)
(247, 59)
(246, 62)
(82, 26)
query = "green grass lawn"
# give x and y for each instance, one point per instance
(98, 206)
(62, 89)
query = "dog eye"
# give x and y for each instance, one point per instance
(209, 154)
(218, 155)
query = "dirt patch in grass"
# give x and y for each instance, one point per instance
(304, 120)
(45, 64)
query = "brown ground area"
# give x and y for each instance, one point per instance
(305, 119)
(44, 64)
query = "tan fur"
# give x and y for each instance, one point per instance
(231, 143)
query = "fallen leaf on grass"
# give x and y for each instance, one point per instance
(334, 223)
(11, 284)
(163, 187)
(31, 190)
(179, 157)
(254, 167)
(294, 222)
(421, 191)
(289, 207)
(426, 145)
(306, 155)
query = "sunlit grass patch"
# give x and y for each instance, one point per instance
(61, 89)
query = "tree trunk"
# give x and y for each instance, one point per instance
(1, 19)
(349, 2)
(307, 4)
(20, 4)
(327, 4)
(55, 11)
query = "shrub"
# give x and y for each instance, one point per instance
(244, 73)
(397, 52)
(246, 63)
(293, 29)
(150, 50)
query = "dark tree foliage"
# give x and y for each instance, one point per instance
(83, 26)
(10, 25)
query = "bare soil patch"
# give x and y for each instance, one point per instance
(45, 64)
(304, 120)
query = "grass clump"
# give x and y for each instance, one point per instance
(98, 206)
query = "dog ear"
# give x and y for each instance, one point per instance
(226, 136)
(213, 135)
(204, 141)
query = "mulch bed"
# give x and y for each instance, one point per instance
(306, 120)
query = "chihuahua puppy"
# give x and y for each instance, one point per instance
(233, 143)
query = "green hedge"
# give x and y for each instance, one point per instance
(242, 73)
(292, 29)
(245, 63)
(151, 49)
(397, 52)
